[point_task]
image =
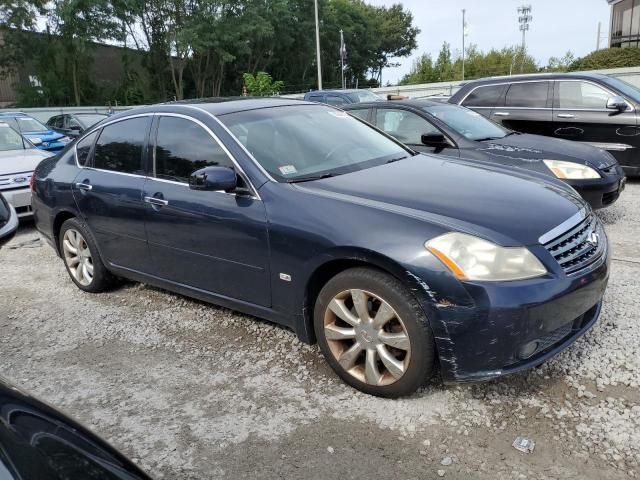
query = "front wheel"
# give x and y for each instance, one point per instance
(82, 259)
(373, 333)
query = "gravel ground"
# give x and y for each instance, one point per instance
(191, 391)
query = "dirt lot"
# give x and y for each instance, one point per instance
(191, 391)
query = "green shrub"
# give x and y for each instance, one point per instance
(608, 58)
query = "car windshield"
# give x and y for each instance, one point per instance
(306, 142)
(467, 122)
(88, 120)
(28, 124)
(364, 96)
(625, 88)
(10, 139)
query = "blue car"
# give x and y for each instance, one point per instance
(301, 214)
(41, 136)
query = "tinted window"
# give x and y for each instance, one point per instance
(72, 122)
(581, 95)
(403, 125)
(335, 100)
(119, 147)
(528, 94)
(83, 148)
(484, 96)
(315, 98)
(364, 96)
(55, 122)
(467, 122)
(362, 114)
(182, 147)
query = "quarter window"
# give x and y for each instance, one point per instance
(83, 148)
(362, 114)
(581, 95)
(119, 147)
(182, 147)
(528, 94)
(487, 96)
(403, 125)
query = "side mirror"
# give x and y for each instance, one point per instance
(436, 140)
(616, 103)
(213, 178)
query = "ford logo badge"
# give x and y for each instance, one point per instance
(19, 179)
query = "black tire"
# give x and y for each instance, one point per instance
(102, 280)
(419, 367)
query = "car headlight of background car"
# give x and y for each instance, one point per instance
(570, 170)
(472, 258)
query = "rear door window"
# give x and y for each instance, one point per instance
(486, 96)
(336, 101)
(120, 145)
(315, 98)
(528, 95)
(182, 147)
(362, 114)
(581, 95)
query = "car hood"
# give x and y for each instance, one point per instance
(508, 207)
(19, 161)
(45, 135)
(535, 148)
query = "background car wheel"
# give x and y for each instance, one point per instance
(373, 333)
(80, 255)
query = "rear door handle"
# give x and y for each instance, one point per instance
(84, 186)
(156, 201)
(566, 115)
(501, 114)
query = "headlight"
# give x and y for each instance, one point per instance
(64, 140)
(472, 258)
(36, 141)
(571, 171)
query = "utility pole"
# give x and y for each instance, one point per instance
(343, 51)
(318, 47)
(598, 36)
(524, 19)
(464, 33)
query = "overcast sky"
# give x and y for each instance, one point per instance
(558, 26)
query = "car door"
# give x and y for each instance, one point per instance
(211, 241)
(580, 113)
(408, 127)
(108, 191)
(527, 108)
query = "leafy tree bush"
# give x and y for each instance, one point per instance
(261, 84)
(608, 58)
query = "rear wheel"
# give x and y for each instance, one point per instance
(82, 259)
(373, 333)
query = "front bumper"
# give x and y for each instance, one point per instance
(604, 191)
(20, 198)
(513, 326)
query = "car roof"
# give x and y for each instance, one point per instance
(13, 114)
(407, 102)
(85, 113)
(535, 76)
(346, 90)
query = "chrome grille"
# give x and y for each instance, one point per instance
(7, 182)
(580, 246)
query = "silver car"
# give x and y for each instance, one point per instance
(18, 160)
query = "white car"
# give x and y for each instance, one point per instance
(18, 160)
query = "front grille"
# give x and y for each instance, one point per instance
(580, 246)
(554, 337)
(7, 181)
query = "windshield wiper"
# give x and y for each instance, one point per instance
(487, 139)
(513, 133)
(396, 159)
(310, 178)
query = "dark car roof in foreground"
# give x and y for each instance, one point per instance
(217, 106)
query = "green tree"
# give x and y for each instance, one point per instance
(608, 58)
(560, 64)
(261, 84)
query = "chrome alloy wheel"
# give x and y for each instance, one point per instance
(77, 256)
(367, 337)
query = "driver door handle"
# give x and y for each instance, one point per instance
(566, 115)
(501, 114)
(83, 186)
(156, 201)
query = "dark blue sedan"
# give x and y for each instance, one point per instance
(301, 214)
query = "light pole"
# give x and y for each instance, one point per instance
(464, 34)
(343, 51)
(524, 19)
(318, 47)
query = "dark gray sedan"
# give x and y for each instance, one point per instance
(452, 130)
